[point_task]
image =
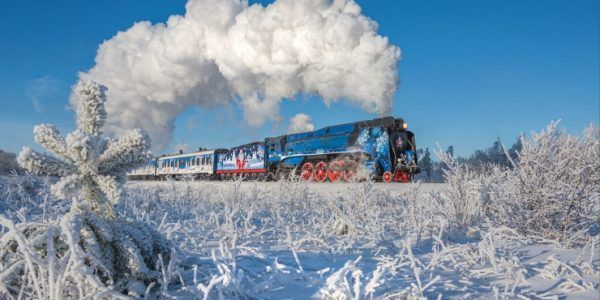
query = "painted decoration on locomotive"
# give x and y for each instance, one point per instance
(248, 158)
(375, 142)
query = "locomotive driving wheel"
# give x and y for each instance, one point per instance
(335, 170)
(387, 177)
(349, 170)
(320, 171)
(307, 171)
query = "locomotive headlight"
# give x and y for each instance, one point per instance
(405, 125)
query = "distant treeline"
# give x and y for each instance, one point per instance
(8, 163)
(480, 161)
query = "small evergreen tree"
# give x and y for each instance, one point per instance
(515, 149)
(92, 168)
(496, 154)
(426, 163)
(450, 151)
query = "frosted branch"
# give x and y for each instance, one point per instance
(39, 163)
(49, 137)
(125, 153)
(91, 114)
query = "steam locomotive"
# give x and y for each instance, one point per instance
(383, 149)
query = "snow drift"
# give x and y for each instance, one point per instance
(224, 52)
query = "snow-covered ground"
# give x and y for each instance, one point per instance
(297, 240)
(293, 240)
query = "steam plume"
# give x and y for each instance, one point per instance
(300, 123)
(225, 51)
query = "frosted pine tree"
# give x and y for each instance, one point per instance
(91, 166)
(89, 252)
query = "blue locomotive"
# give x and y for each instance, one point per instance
(382, 149)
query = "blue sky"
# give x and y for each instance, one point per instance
(471, 71)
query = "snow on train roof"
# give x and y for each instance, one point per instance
(204, 152)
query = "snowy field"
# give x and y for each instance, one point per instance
(293, 240)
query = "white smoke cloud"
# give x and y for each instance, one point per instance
(224, 51)
(301, 123)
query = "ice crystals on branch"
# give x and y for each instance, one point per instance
(92, 167)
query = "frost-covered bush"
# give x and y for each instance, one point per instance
(90, 252)
(553, 190)
(460, 203)
(27, 197)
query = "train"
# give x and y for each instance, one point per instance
(382, 149)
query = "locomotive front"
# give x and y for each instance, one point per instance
(403, 152)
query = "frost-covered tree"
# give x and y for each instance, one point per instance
(90, 252)
(450, 150)
(426, 163)
(92, 168)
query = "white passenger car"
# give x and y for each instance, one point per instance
(198, 164)
(147, 172)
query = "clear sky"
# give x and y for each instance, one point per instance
(471, 71)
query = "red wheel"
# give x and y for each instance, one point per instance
(403, 177)
(307, 171)
(387, 177)
(335, 171)
(349, 170)
(321, 171)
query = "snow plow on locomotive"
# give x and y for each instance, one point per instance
(382, 149)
